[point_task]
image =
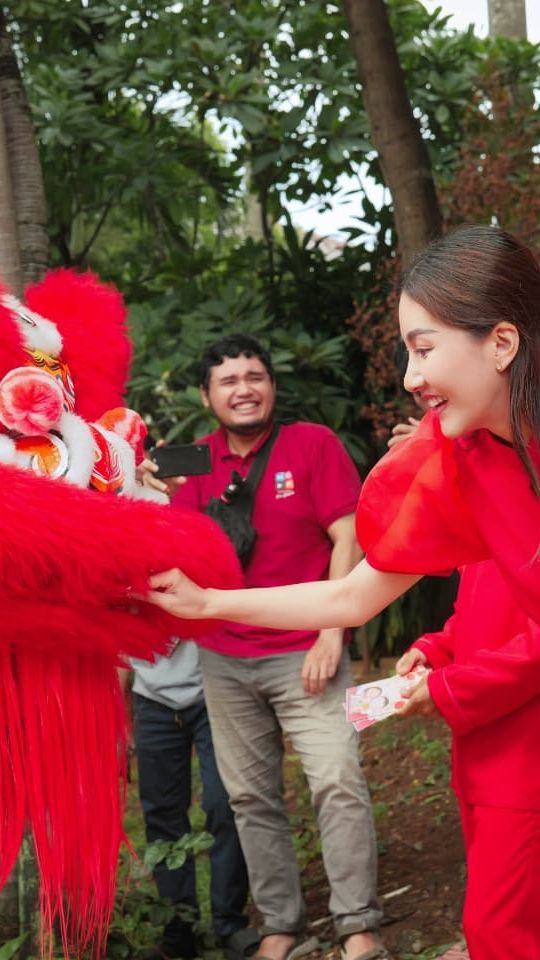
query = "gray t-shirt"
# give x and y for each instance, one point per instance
(174, 681)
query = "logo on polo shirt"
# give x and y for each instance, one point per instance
(283, 484)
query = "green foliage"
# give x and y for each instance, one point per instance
(137, 923)
(176, 852)
(148, 119)
(433, 750)
(430, 954)
(140, 915)
(127, 178)
(380, 810)
(318, 368)
(11, 947)
(497, 175)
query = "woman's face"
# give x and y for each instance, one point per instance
(455, 374)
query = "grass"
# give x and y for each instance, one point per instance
(431, 954)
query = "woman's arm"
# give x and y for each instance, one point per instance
(347, 602)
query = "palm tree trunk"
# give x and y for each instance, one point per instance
(507, 18)
(395, 133)
(10, 264)
(24, 165)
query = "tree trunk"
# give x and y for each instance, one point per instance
(507, 18)
(24, 165)
(10, 264)
(395, 133)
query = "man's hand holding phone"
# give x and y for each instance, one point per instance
(146, 474)
(166, 467)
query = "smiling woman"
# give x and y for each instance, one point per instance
(444, 361)
(482, 282)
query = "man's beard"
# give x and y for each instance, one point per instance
(249, 429)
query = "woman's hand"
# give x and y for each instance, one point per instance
(417, 697)
(411, 659)
(417, 701)
(177, 594)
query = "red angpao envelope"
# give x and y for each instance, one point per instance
(370, 702)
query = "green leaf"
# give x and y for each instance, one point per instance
(156, 852)
(176, 859)
(12, 947)
(442, 113)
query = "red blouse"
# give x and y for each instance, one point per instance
(432, 504)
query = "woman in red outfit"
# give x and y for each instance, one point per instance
(486, 686)
(485, 681)
(465, 488)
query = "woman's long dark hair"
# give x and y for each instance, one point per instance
(474, 278)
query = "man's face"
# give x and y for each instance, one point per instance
(241, 394)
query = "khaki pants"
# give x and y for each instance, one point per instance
(252, 703)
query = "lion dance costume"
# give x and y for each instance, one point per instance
(71, 553)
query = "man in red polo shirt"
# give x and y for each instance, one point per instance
(260, 684)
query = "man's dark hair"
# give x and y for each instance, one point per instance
(234, 345)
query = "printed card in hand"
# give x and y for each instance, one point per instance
(370, 702)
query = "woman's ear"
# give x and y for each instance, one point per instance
(506, 342)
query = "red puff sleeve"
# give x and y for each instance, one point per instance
(412, 516)
(432, 504)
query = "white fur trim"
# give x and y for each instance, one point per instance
(78, 438)
(44, 335)
(8, 453)
(11, 456)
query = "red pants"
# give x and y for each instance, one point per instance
(501, 918)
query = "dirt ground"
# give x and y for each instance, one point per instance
(421, 869)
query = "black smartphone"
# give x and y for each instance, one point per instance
(181, 460)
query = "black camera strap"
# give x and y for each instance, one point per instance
(233, 509)
(260, 460)
(243, 488)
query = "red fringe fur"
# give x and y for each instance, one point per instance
(67, 560)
